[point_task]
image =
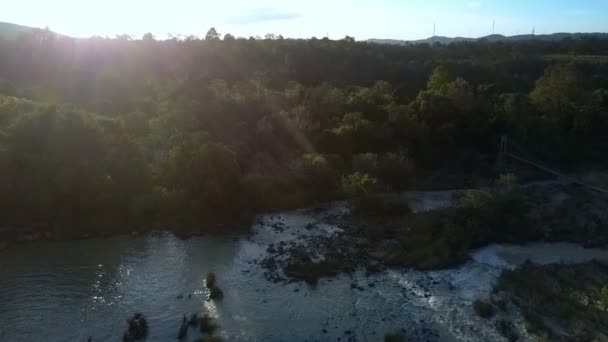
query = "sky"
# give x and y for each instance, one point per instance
(362, 19)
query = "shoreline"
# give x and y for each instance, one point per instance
(10, 237)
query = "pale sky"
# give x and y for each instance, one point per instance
(363, 19)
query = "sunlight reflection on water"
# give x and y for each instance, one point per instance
(73, 290)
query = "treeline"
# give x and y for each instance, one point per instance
(111, 134)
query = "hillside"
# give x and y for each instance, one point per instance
(9, 30)
(493, 38)
(107, 135)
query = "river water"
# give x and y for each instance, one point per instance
(72, 290)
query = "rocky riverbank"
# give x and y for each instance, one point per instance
(387, 231)
(356, 297)
(10, 236)
(560, 302)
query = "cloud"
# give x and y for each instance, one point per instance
(263, 15)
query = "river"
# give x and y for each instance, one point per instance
(73, 290)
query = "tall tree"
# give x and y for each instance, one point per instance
(557, 90)
(212, 34)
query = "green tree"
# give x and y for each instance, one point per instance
(558, 90)
(204, 175)
(439, 78)
(148, 37)
(316, 172)
(358, 184)
(355, 134)
(212, 34)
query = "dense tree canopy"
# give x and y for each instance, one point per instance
(111, 133)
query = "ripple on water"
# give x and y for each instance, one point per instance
(72, 290)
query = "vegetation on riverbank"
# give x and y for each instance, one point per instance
(304, 268)
(560, 302)
(383, 231)
(109, 135)
(443, 237)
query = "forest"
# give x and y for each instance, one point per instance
(110, 135)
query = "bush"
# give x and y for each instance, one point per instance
(491, 216)
(205, 175)
(396, 169)
(508, 182)
(315, 171)
(475, 199)
(310, 271)
(602, 296)
(269, 192)
(443, 237)
(392, 168)
(358, 184)
(365, 163)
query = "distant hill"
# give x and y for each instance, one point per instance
(9, 31)
(490, 38)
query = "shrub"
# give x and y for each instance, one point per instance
(602, 296)
(392, 168)
(508, 181)
(365, 163)
(475, 199)
(358, 184)
(311, 271)
(205, 174)
(315, 171)
(396, 169)
(491, 216)
(270, 192)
